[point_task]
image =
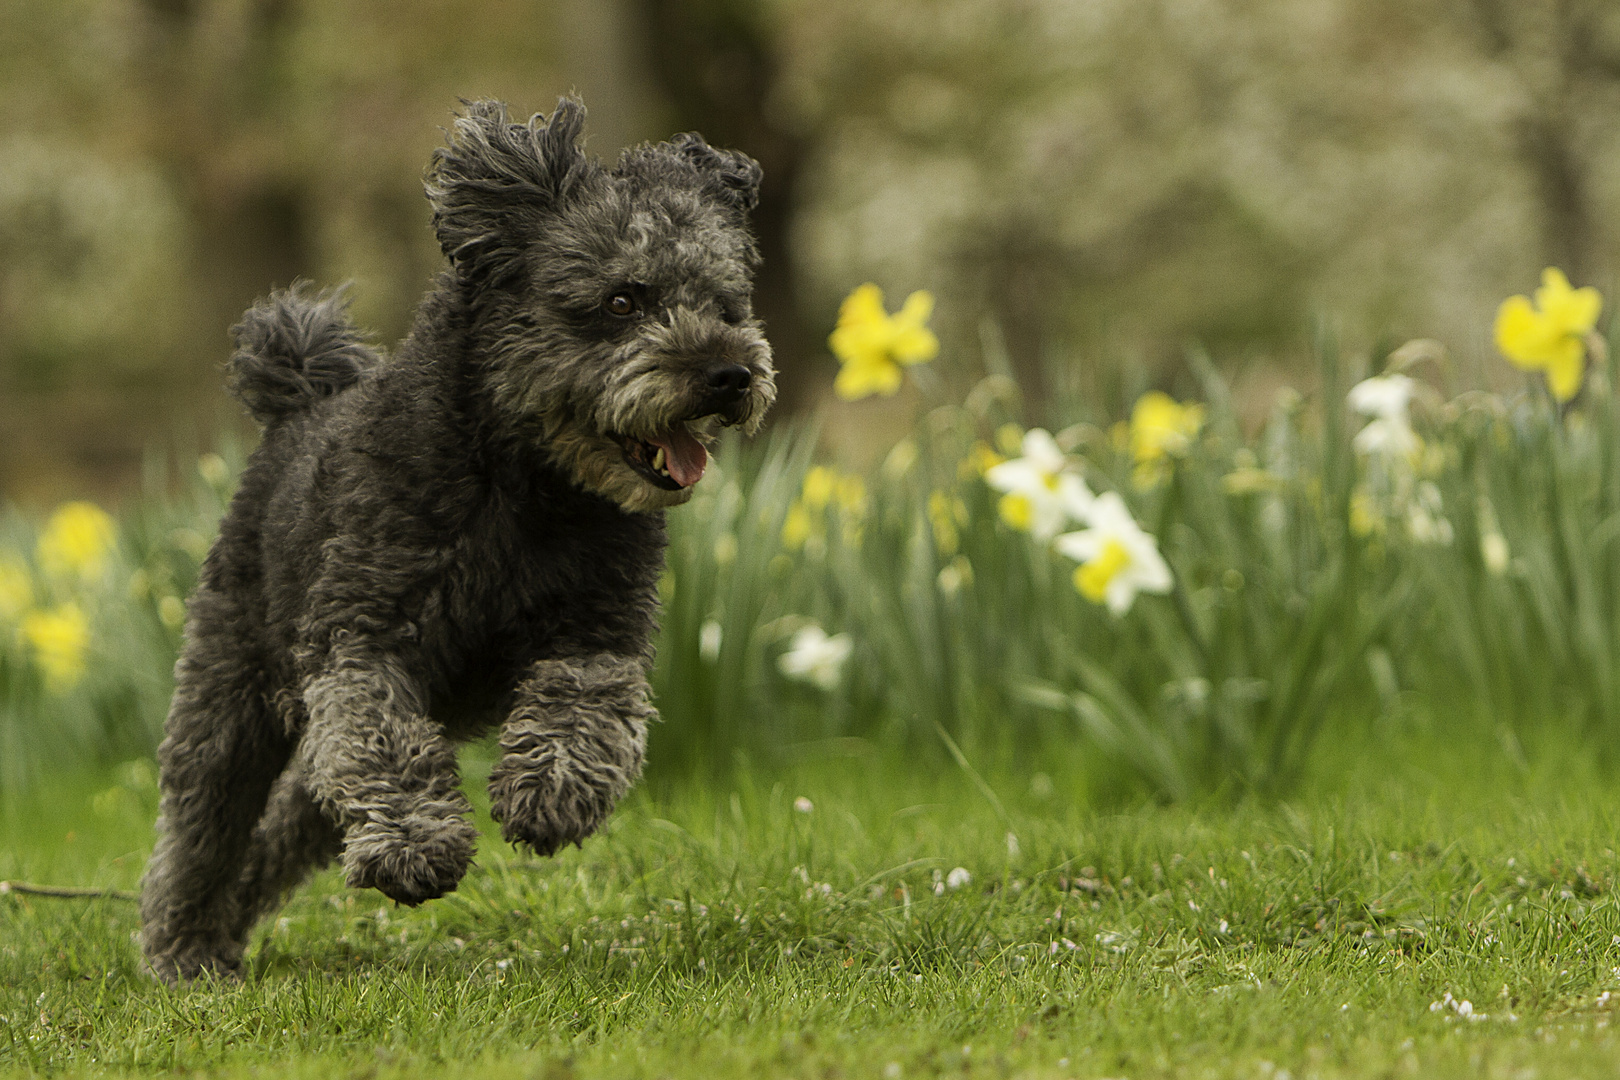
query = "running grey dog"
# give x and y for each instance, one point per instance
(464, 534)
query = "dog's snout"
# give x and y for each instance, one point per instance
(729, 382)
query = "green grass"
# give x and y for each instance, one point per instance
(714, 930)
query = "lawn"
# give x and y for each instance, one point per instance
(890, 926)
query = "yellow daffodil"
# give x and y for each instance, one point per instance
(16, 588)
(1043, 493)
(850, 492)
(76, 542)
(1366, 519)
(1117, 559)
(825, 487)
(817, 489)
(1550, 335)
(1247, 480)
(1160, 428)
(59, 638)
(981, 458)
(798, 527)
(946, 514)
(1010, 439)
(872, 346)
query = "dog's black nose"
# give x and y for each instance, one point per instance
(728, 382)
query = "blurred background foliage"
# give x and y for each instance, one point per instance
(1088, 186)
(1246, 203)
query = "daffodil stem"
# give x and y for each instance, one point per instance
(1178, 588)
(1189, 620)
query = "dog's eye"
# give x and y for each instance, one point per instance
(621, 304)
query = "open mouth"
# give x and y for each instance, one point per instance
(672, 459)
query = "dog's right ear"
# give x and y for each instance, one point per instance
(493, 180)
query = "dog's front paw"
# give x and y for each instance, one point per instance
(420, 858)
(549, 807)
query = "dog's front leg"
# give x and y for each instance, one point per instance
(385, 774)
(571, 747)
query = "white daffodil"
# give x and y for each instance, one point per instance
(1425, 522)
(1387, 397)
(710, 636)
(815, 658)
(1042, 491)
(1386, 400)
(1117, 559)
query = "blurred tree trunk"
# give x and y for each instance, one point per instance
(1545, 43)
(211, 90)
(715, 61)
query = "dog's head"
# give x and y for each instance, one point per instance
(613, 306)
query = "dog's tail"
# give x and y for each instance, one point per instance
(294, 348)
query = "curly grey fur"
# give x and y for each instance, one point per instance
(293, 349)
(454, 537)
(571, 748)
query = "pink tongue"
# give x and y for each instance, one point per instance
(684, 456)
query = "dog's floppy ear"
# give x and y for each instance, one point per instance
(733, 177)
(493, 178)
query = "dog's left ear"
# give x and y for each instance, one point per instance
(493, 179)
(733, 177)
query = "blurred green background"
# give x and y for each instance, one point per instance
(1093, 182)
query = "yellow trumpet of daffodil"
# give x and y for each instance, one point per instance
(76, 541)
(1550, 335)
(873, 346)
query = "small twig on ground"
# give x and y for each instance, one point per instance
(65, 891)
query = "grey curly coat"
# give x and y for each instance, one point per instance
(466, 533)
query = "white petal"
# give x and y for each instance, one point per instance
(1080, 546)
(1109, 514)
(1386, 397)
(1041, 450)
(1148, 571)
(838, 647)
(1075, 497)
(1387, 436)
(1120, 595)
(1048, 518)
(1017, 475)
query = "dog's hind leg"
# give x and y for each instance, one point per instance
(386, 774)
(223, 748)
(292, 840)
